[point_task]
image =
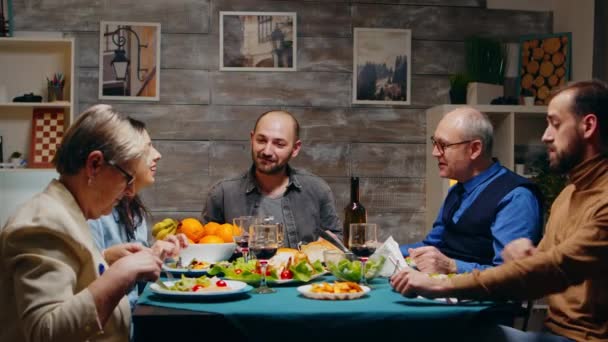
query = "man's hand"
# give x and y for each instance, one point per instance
(429, 259)
(518, 249)
(113, 253)
(412, 283)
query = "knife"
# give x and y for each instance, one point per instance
(333, 240)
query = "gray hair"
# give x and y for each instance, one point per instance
(99, 128)
(476, 125)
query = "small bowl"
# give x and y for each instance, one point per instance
(209, 252)
(346, 266)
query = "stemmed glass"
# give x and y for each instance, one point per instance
(363, 241)
(263, 243)
(242, 239)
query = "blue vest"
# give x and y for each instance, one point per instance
(471, 239)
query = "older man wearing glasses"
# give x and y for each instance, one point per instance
(489, 207)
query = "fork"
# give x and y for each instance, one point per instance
(162, 283)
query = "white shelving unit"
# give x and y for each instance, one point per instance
(25, 63)
(513, 126)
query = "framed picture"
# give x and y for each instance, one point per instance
(544, 64)
(129, 61)
(382, 66)
(258, 41)
(48, 125)
(6, 18)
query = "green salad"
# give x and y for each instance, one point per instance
(250, 271)
(351, 270)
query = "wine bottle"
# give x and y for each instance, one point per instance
(354, 212)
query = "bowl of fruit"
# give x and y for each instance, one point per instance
(346, 266)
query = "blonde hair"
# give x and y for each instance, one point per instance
(99, 128)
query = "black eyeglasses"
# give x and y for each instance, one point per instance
(442, 146)
(130, 178)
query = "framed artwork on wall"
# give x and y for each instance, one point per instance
(6, 18)
(129, 61)
(382, 66)
(258, 41)
(48, 125)
(544, 64)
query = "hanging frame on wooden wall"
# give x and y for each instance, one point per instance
(382, 66)
(6, 18)
(544, 64)
(129, 61)
(258, 41)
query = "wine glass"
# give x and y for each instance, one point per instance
(363, 241)
(242, 239)
(263, 243)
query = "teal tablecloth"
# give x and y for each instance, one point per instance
(382, 312)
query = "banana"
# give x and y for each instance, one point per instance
(162, 225)
(167, 231)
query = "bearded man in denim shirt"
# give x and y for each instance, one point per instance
(303, 202)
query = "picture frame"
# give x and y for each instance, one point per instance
(48, 127)
(258, 41)
(385, 51)
(544, 65)
(129, 61)
(6, 18)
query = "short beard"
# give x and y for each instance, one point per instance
(567, 160)
(280, 168)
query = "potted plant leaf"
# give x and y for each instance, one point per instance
(485, 63)
(458, 88)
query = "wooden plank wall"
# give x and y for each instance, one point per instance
(202, 121)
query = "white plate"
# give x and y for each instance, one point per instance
(186, 271)
(236, 288)
(305, 291)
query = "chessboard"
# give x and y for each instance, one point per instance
(47, 132)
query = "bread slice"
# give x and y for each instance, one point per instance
(314, 250)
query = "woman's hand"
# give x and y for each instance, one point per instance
(112, 254)
(170, 247)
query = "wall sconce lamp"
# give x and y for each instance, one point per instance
(120, 62)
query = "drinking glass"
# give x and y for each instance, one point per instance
(242, 239)
(280, 227)
(263, 243)
(363, 241)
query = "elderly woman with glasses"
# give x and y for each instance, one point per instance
(54, 283)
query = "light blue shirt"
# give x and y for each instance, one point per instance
(108, 231)
(518, 217)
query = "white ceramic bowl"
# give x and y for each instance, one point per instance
(209, 252)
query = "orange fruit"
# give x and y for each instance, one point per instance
(211, 228)
(192, 228)
(225, 231)
(211, 239)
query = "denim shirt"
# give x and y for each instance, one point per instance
(308, 204)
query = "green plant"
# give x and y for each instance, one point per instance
(459, 81)
(485, 60)
(549, 182)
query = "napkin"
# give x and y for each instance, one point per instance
(390, 250)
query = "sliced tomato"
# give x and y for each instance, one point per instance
(197, 287)
(220, 283)
(238, 271)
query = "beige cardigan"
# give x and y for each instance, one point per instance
(47, 260)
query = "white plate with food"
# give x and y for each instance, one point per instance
(335, 291)
(232, 288)
(178, 271)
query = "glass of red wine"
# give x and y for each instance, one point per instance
(242, 237)
(363, 241)
(263, 243)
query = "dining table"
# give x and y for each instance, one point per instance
(289, 316)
